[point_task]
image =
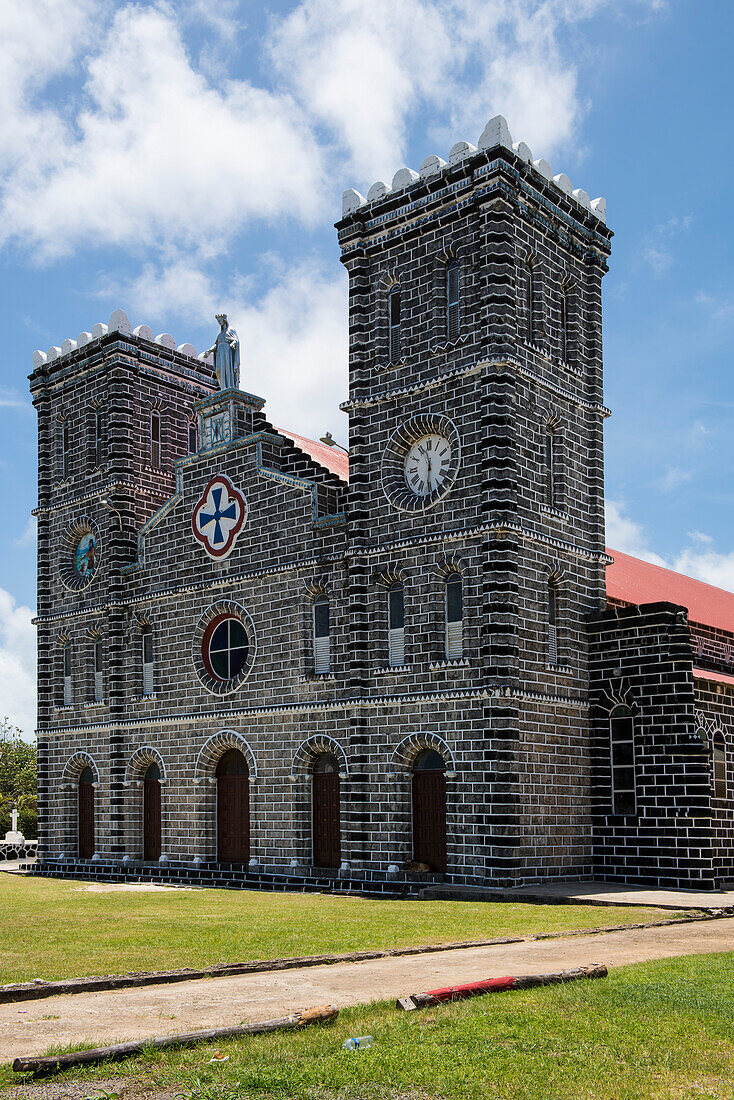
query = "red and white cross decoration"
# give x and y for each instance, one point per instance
(218, 517)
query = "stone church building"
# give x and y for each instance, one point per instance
(260, 663)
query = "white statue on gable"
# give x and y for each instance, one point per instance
(226, 352)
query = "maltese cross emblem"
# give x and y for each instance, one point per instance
(218, 517)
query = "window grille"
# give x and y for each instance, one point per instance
(719, 766)
(622, 739)
(148, 667)
(452, 301)
(193, 439)
(155, 440)
(67, 675)
(98, 671)
(563, 304)
(552, 625)
(396, 626)
(529, 304)
(321, 636)
(394, 325)
(550, 469)
(454, 618)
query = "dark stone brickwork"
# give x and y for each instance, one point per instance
(525, 764)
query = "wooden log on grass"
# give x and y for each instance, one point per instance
(118, 1051)
(496, 985)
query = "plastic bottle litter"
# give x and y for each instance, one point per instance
(359, 1042)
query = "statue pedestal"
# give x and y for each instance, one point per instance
(14, 838)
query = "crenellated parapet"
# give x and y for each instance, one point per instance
(495, 135)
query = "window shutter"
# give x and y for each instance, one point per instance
(98, 687)
(552, 627)
(452, 301)
(321, 654)
(98, 674)
(396, 647)
(67, 676)
(454, 640)
(148, 663)
(394, 326)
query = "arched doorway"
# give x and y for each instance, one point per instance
(233, 808)
(85, 815)
(152, 813)
(327, 844)
(429, 810)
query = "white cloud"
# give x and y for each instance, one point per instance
(29, 534)
(699, 536)
(707, 565)
(657, 249)
(17, 665)
(294, 335)
(674, 478)
(627, 536)
(158, 155)
(720, 306)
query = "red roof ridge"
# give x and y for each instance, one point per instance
(331, 458)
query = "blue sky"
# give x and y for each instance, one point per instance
(177, 158)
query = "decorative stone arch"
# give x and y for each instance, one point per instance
(76, 764)
(555, 573)
(390, 574)
(404, 756)
(67, 570)
(214, 749)
(307, 752)
(451, 563)
(141, 760)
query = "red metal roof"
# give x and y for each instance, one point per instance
(635, 581)
(718, 677)
(332, 458)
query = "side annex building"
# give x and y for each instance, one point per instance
(260, 663)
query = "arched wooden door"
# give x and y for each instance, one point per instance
(233, 808)
(85, 814)
(429, 810)
(327, 841)
(152, 813)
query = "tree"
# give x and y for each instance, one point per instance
(17, 780)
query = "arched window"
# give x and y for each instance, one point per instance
(65, 452)
(395, 625)
(85, 814)
(552, 623)
(394, 324)
(67, 692)
(529, 304)
(152, 813)
(452, 300)
(622, 743)
(326, 822)
(155, 440)
(429, 810)
(193, 438)
(321, 636)
(98, 671)
(719, 753)
(563, 325)
(233, 808)
(550, 468)
(454, 617)
(146, 646)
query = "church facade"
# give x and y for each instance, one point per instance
(261, 664)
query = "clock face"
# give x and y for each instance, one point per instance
(427, 465)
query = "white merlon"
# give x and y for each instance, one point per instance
(145, 332)
(460, 151)
(166, 340)
(83, 338)
(378, 190)
(67, 345)
(119, 322)
(187, 349)
(52, 353)
(431, 166)
(403, 178)
(39, 358)
(496, 133)
(99, 330)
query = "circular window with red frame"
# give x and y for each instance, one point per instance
(224, 647)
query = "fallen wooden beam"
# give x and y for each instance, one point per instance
(118, 1051)
(496, 985)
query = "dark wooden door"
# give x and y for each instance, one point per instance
(86, 820)
(233, 819)
(327, 841)
(429, 819)
(151, 819)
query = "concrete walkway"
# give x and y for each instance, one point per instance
(612, 893)
(103, 1018)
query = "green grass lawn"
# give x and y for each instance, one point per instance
(55, 929)
(657, 1030)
